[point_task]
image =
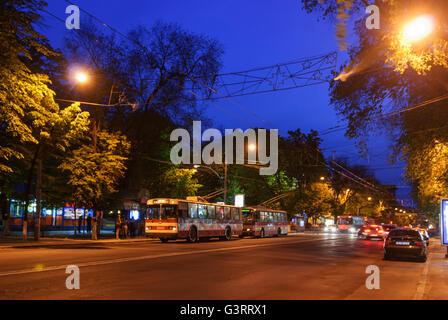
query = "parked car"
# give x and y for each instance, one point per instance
(371, 231)
(405, 243)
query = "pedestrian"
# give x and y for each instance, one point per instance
(118, 227)
(125, 229)
(89, 224)
(79, 224)
(132, 228)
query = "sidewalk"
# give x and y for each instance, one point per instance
(16, 241)
(435, 277)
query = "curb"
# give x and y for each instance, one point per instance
(69, 242)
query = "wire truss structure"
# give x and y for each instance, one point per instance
(285, 76)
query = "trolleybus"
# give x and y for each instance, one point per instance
(170, 219)
(263, 222)
(350, 224)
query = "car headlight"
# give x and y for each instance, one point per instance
(352, 230)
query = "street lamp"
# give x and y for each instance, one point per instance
(369, 198)
(418, 28)
(81, 77)
(322, 178)
(252, 147)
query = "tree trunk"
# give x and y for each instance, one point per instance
(74, 219)
(4, 205)
(94, 225)
(38, 200)
(27, 192)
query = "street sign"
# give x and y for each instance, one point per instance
(444, 222)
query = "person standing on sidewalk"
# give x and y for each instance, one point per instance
(118, 226)
(89, 224)
(79, 223)
(125, 229)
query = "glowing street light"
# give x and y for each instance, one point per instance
(252, 147)
(81, 77)
(369, 198)
(418, 28)
(322, 178)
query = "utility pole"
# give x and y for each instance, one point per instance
(225, 181)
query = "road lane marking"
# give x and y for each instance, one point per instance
(156, 256)
(422, 284)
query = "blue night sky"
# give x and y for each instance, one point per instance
(254, 33)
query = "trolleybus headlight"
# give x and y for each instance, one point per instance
(352, 230)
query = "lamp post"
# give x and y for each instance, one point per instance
(82, 78)
(419, 28)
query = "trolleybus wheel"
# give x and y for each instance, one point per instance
(192, 235)
(228, 234)
(279, 232)
(262, 233)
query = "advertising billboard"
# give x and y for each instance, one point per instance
(444, 222)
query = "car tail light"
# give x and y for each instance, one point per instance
(419, 243)
(367, 230)
(380, 231)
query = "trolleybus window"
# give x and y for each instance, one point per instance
(193, 210)
(168, 212)
(226, 213)
(153, 213)
(183, 210)
(211, 212)
(235, 214)
(219, 213)
(202, 211)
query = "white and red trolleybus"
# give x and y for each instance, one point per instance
(350, 224)
(263, 222)
(168, 219)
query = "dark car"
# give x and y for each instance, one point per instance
(405, 243)
(371, 231)
(388, 227)
(424, 234)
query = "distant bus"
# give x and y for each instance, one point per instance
(170, 219)
(263, 222)
(350, 223)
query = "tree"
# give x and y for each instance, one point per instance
(95, 174)
(178, 183)
(156, 75)
(392, 85)
(30, 118)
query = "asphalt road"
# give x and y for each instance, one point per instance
(302, 266)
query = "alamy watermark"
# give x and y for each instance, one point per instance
(73, 280)
(73, 20)
(373, 20)
(373, 280)
(213, 152)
